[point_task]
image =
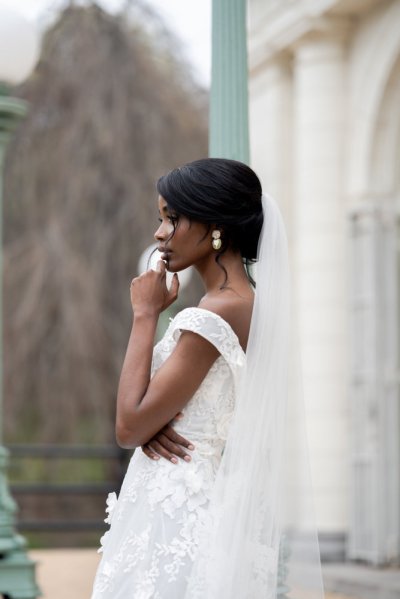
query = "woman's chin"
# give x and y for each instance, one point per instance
(167, 263)
(172, 268)
(173, 265)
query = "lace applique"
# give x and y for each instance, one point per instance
(132, 550)
(214, 328)
(187, 485)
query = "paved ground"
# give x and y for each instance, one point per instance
(366, 581)
(65, 573)
(68, 573)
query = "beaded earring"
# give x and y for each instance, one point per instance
(216, 242)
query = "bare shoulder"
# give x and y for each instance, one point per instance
(236, 311)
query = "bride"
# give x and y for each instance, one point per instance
(203, 522)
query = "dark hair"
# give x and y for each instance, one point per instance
(223, 192)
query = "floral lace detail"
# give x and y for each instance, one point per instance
(157, 521)
(214, 328)
(206, 323)
(182, 495)
(187, 485)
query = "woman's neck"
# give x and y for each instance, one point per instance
(213, 275)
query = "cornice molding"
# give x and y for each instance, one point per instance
(288, 24)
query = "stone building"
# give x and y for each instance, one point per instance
(325, 138)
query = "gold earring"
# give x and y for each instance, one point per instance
(216, 242)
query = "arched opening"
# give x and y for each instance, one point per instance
(375, 317)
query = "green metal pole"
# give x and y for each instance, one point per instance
(229, 120)
(17, 571)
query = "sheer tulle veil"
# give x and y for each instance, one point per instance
(259, 538)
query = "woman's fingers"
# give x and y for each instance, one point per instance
(173, 447)
(160, 267)
(174, 288)
(175, 437)
(160, 449)
(150, 453)
(166, 449)
(168, 444)
(172, 292)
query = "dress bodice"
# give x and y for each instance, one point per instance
(207, 415)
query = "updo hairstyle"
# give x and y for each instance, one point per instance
(221, 192)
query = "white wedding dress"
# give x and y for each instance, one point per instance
(156, 522)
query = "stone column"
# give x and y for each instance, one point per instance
(271, 116)
(319, 230)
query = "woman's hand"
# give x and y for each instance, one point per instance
(149, 292)
(168, 444)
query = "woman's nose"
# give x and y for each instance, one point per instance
(159, 234)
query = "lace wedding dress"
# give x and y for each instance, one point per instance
(156, 522)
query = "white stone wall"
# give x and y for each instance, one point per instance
(321, 73)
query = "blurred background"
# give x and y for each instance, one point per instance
(116, 94)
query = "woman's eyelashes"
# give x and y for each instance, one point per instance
(172, 219)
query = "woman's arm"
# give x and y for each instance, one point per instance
(167, 393)
(135, 373)
(145, 405)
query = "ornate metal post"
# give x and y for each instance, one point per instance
(17, 571)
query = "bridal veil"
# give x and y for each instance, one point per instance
(259, 540)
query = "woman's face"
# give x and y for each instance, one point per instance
(188, 245)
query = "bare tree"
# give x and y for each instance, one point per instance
(109, 113)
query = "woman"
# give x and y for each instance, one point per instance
(198, 525)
